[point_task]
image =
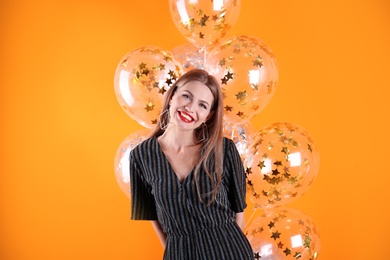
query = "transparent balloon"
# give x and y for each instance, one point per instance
(189, 56)
(283, 233)
(282, 165)
(248, 75)
(121, 161)
(242, 136)
(141, 79)
(204, 22)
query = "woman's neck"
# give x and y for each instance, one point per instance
(178, 140)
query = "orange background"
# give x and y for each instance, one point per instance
(61, 123)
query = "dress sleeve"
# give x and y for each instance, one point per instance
(143, 206)
(236, 175)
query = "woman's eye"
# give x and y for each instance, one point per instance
(186, 96)
(203, 106)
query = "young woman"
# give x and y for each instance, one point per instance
(188, 179)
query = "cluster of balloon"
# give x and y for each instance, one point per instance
(281, 160)
(284, 233)
(281, 165)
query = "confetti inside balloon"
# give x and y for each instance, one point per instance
(248, 75)
(283, 164)
(204, 22)
(284, 233)
(121, 161)
(141, 79)
(242, 136)
(189, 56)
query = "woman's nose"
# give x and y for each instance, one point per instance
(188, 107)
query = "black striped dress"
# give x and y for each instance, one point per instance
(194, 230)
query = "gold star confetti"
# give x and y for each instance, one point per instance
(142, 66)
(285, 150)
(255, 86)
(149, 107)
(203, 20)
(222, 62)
(307, 241)
(154, 121)
(287, 251)
(169, 81)
(167, 58)
(171, 73)
(261, 164)
(258, 62)
(201, 35)
(276, 235)
(224, 80)
(240, 114)
(229, 75)
(271, 224)
(257, 255)
(278, 163)
(160, 67)
(275, 172)
(280, 245)
(162, 91)
(241, 95)
(248, 170)
(228, 108)
(297, 255)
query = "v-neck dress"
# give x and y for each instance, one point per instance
(194, 230)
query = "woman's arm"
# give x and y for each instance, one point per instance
(240, 220)
(160, 233)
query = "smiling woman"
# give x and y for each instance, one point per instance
(188, 179)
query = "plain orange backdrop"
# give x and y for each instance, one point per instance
(61, 123)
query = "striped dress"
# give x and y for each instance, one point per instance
(194, 230)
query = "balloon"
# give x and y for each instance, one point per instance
(204, 22)
(284, 233)
(141, 79)
(242, 136)
(248, 76)
(121, 161)
(189, 56)
(283, 163)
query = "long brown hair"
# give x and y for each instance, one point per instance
(211, 157)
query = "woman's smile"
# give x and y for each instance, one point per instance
(184, 116)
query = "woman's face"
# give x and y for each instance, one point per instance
(191, 105)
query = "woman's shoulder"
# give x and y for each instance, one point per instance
(227, 142)
(145, 145)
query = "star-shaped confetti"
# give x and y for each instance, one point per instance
(228, 108)
(149, 107)
(276, 235)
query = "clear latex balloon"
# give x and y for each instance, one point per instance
(283, 233)
(141, 79)
(204, 22)
(282, 165)
(121, 161)
(242, 136)
(189, 56)
(248, 75)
